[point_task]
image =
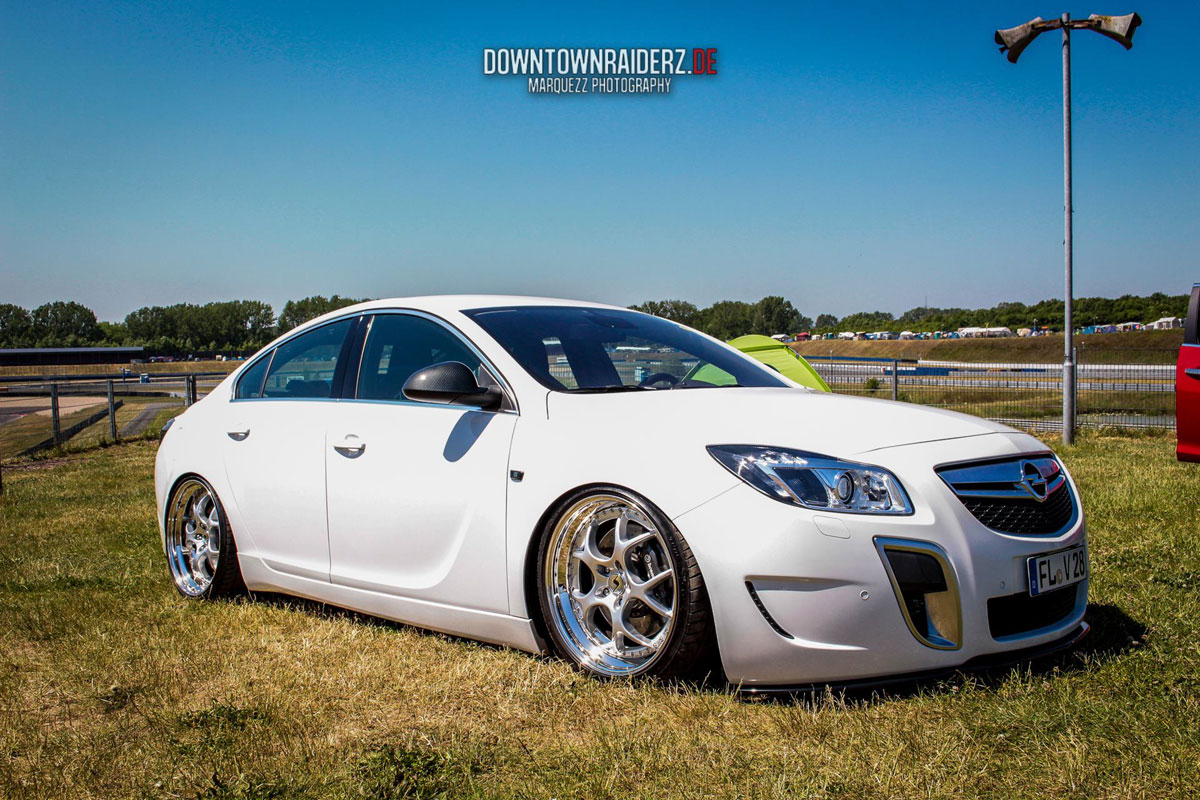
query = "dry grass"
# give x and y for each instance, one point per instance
(113, 686)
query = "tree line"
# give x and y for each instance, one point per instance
(242, 326)
(234, 326)
(771, 315)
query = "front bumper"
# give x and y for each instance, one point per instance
(802, 597)
(979, 664)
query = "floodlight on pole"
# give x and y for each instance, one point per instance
(1013, 42)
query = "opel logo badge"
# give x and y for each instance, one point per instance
(1033, 481)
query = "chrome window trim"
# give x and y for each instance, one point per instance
(497, 375)
(271, 354)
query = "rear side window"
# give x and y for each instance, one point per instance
(400, 344)
(305, 366)
(251, 383)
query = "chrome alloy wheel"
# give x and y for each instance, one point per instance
(610, 582)
(193, 537)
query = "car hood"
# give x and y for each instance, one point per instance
(832, 424)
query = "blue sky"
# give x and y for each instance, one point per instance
(857, 159)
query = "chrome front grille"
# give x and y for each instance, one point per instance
(1024, 496)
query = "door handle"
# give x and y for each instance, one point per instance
(1193, 372)
(238, 434)
(350, 446)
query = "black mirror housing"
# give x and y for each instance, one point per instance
(451, 383)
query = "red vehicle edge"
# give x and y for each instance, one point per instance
(1187, 384)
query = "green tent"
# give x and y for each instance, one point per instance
(771, 352)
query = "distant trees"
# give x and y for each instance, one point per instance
(730, 318)
(825, 322)
(64, 324)
(182, 329)
(234, 325)
(16, 326)
(57, 324)
(776, 315)
(297, 312)
(726, 319)
(867, 321)
(246, 325)
(680, 311)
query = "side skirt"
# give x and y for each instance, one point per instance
(486, 626)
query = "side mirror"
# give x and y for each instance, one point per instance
(451, 383)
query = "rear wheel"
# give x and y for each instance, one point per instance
(619, 589)
(200, 548)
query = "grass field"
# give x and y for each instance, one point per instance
(1141, 347)
(113, 686)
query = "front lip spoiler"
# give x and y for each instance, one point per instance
(982, 663)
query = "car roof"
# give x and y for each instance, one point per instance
(445, 303)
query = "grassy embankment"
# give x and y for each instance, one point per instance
(113, 686)
(1139, 347)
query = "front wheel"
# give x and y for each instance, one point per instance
(200, 548)
(619, 589)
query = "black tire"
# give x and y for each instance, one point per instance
(195, 514)
(686, 649)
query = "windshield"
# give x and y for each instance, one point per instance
(576, 349)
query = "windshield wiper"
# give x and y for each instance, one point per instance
(705, 385)
(616, 387)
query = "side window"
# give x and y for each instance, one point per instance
(251, 383)
(306, 365)
(400, 344)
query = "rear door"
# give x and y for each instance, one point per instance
(274, 445)
(1187, 384)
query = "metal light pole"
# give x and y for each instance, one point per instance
(1014, 41)
(1068, 377)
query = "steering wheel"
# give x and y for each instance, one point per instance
(657, 377)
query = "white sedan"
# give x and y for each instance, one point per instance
(623, 491)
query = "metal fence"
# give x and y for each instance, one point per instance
(41, 412)
(1115, 388)
(1119, 388)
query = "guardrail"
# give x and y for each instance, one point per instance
(39, 412)
(1125, 395)
(1135, 393)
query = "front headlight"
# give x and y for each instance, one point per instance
(814, 481)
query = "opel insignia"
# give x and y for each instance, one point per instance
(621, 491)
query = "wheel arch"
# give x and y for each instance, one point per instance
(529, 570)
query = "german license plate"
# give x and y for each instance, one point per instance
(1057, 570)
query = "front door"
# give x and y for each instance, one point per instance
(417, 491)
